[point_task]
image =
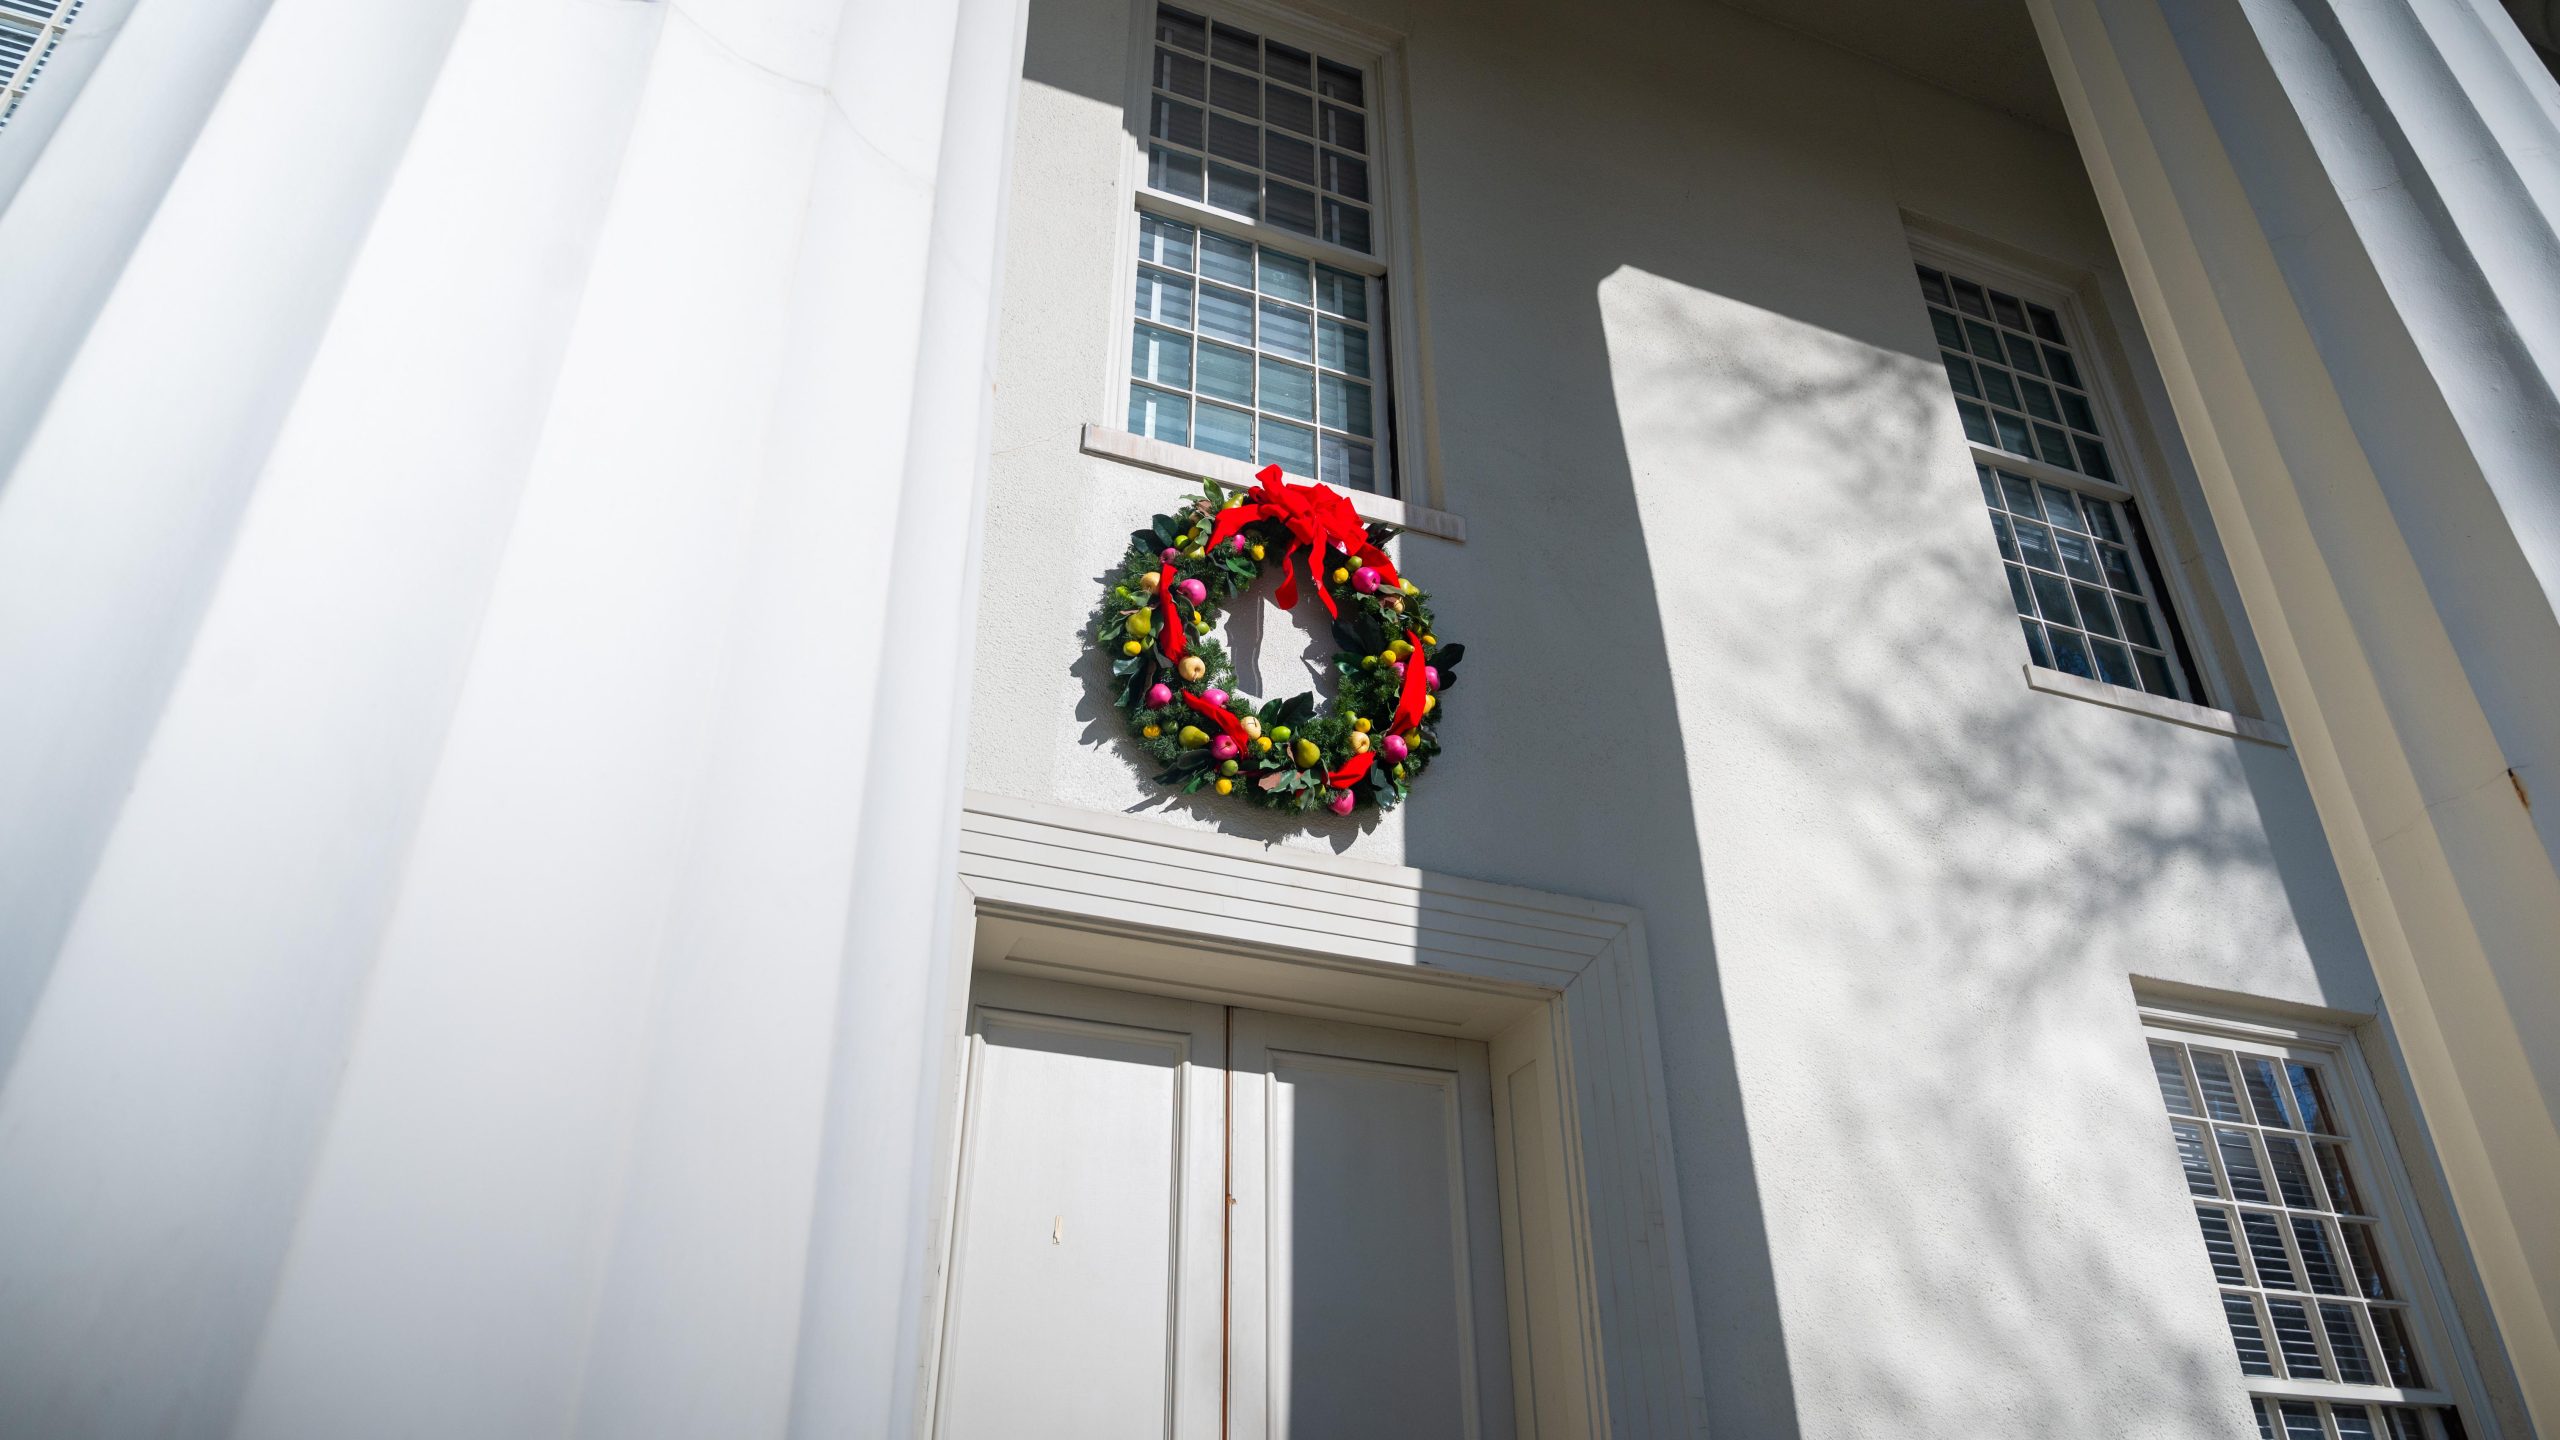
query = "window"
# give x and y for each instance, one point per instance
(29, 29)
(2293, 1189)
(1258, 332)
(2081, 569)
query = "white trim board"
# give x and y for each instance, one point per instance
(1088, 896)
(2161, 707)
(1165, 457)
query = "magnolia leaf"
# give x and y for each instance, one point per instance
(1348, 638)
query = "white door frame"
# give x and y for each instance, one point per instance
(1604, 1327)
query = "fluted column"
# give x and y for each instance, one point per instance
(484, 608)
(2342, 223)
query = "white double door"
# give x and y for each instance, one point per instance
(1351, 1288)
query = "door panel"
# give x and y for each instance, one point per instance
(1367, 1266)
(1084, 1295)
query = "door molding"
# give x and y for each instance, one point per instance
(1557, 984)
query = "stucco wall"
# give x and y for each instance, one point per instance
(1740, 657)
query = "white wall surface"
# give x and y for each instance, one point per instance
(1739, 655)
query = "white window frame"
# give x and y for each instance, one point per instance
(2120, 420)
(1397, 334)
(2401, 1231)
(19, 79)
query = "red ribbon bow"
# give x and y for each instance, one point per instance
(1349, 772)
(1173, 643)
(1315, 517)
(1410, 699)
(1221, 717)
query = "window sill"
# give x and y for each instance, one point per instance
(1190, 464)
(2176, 712)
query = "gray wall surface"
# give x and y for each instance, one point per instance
(1740, 657)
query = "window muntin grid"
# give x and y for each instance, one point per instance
(2018, 386)
(1259, 128)
(1247, 351)
(2076, 574)
(29, 31)
(2311, 1291)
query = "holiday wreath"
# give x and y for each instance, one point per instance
(1177, 685)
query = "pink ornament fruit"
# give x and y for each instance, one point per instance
(1341, 802)
(1398, 667)
(1194, 591)
(1365, 580)
(1159, 695)
(1394, 748)
(1225, 747)
(1430, 677)
(1236, 543)
(1168, 554)
(1214, 695)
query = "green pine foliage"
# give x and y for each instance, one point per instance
(1366, 628)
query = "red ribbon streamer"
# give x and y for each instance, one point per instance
(1172, 643)
(1409, 700)
(1221, 717)
(1349, 772)
(1314, 516)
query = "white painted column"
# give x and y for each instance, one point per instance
(2342, 221)
(485, 595)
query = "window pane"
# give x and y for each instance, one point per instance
(1164, 296)
(1977, 423)
(2155, 674)
(1173, 172)
(1226, 374)
(2319, 1261)
(1290, 159)
(2044, 323)
(2366, 1256)
(1287, 330)
(2093, 458)
(1339, 292)
(2035, 644)
(2018, 595)
(1159, 415)
(2220, 1245)
(1346, 225)
(2213, 1075)
(1291, 447)
(2115, 663)
(1172, 120)
(2293, 1177)
(1346, 175)
(2191, 1155)
(2081, 564)
(2035, 545)
(1985, 342)
(1346, 404)
(2240, 1162)
(1348, 464)
(2060, 508)
(2399, 1355)
(2354, 1422)
(1933, 286)
(2071, 657)
(2137, 628)
(1288, 390)
(1236, 190)
(1161, 355)
(2264, 1410)
(1235, 90)
(2059, 366)
(1286, 276)
(1234, 139)
(1223, 257)
(1182, 28)
(1950, 333)
(2008, 546)
(1291, 207)
(2039, 398)
(1287, 62)
(2346, 1345)
(1236, 47)
(2302, 1421)
(1225, 432)
(1292, 111)
(1225, 314)
(2075, 411)
(2053, 598)
(2119, 567)
(2094, 614)
(1970, 299)
(1342, 347)
(1997, 389)
(1339, 82)
(1165, 242)
(2013, 431)
(1344, 128)
(2246, 1337)
(1960, 374)
(2022, 353)
(2173, 1079)
(2342, 1186)
(2006, 310)
(2309, 1098)
(2051, 447)
(2292, 1322)
(2020, 494)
